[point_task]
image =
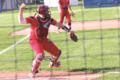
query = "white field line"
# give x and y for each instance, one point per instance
(4, 19)
(58, 12)
(13, 45)
(84, 10)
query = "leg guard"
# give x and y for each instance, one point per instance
(54, 60)
(37, 61)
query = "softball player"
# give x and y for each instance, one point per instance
(63, 6)
(38, 37)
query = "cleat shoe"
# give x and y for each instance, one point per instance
(58, 64)
(31, 75)
(36, 71)
(58, 31)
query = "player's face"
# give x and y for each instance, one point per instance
(44, 14)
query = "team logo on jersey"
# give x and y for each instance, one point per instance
(46, 25)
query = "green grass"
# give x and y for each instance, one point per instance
(76, 51)
(87, 51)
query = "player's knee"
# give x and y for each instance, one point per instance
(40, 57)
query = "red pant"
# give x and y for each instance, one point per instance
(65, 12)
(40, 45)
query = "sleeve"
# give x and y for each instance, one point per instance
(23, 21)
(53, 22)
(28, 19)
(59, 1)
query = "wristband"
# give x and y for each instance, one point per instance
(66, 29)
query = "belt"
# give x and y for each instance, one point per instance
(64, 8)
(42, 38)
(37, 38)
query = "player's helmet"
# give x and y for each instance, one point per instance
(43, 10)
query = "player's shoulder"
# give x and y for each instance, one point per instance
(32, 17)
(52, 20)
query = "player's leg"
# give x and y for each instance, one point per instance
(68, 19)
(50, 47)
(62, 14)
(36, 70)
(54, 60)
(37, 47)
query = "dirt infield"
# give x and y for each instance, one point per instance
(49, 75)
(79, 26)
(62, 75)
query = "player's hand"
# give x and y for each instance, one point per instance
(72, 14)
(73, 36)
(22, 7)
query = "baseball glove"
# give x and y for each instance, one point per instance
(73, 37)
(72, 14)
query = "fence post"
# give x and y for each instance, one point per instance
(6, 5)
(11, 5)
(0, 6)
(35, 2)
(16, 4)
(82, 4)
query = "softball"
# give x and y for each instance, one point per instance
(23, 5)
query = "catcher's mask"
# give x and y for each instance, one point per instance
(43, 10)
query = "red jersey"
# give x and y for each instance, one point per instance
(63, 3)
(39, 27)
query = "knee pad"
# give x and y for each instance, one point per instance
(40, 57)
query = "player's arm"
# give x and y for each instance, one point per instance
(69, 6)
(57, 24)
(70, 9)
(20, 16)
(62, 26)
(59, 5)
(72, 34)
(72, 13)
